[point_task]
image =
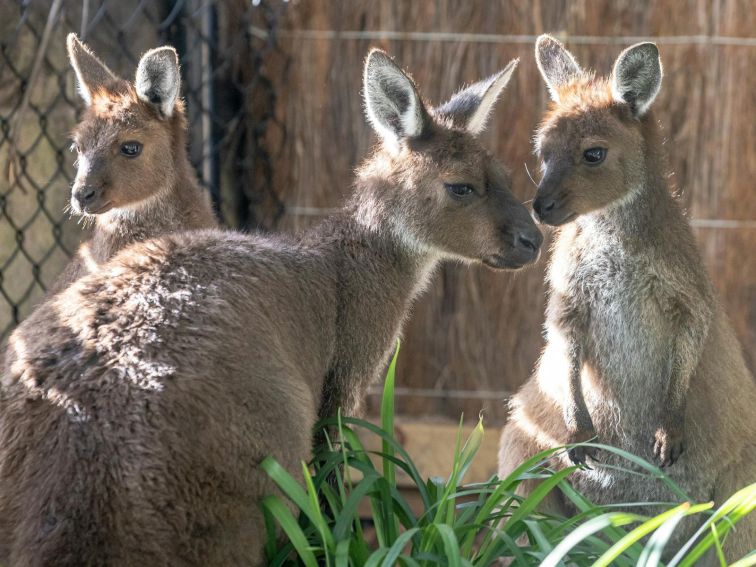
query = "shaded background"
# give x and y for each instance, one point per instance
(273, 93)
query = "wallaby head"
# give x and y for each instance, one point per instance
(131, 138)
(592, 142)
(431, 181)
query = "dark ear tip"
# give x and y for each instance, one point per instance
(165, 52)
(545, 41)
(647, 47)
(377, 55)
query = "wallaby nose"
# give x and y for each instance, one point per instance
(542, 206)
(86, 195)
(530, 240)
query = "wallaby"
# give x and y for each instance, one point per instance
(133, 178)
(133, 174)
(137, 406)
(638, 350)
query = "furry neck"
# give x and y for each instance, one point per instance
(368, 242)
(371, 215)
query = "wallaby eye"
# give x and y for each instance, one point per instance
(459, 190)
(594, 156)
(131, 149)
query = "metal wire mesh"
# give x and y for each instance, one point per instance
(233, 137)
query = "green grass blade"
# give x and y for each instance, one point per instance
(747, 561)
(650, 469)
(341, 557)
(582, 532)
(376, 557)
(470, 449)
(351, 507)
(396, 549)
(644, 529)
(317, 516)
(387, 416)
(451, 546)
(734, 509)
(291, 528)
(292, 489)
(509, 483)
(529, 504)
(652, 551)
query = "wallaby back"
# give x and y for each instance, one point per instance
(138, 404)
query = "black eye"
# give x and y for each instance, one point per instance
(594, 156)
(131, 149)
(458, 190)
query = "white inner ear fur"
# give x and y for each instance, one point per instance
(639, 71)
(477, 122)
(556, 64)
(158, 77)
(381, 78)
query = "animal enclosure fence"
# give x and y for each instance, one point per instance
(273, 95)
(230, 103)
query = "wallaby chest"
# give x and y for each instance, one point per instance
(615, 302)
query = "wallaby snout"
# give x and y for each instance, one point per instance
(523, 242)
(88, 194)
(551, 205)
(88, 199)
(530, 240)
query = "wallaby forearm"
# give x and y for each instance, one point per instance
(576, 415)
(570, 323)
(693, 328)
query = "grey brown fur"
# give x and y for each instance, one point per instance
(138, 404)
(639, 351)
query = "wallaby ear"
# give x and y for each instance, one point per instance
(158, 79)
(91, 73)
(471, 107)
(392, 103)
(637, 76)
(556, 64)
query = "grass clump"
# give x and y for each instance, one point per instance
(468, 524)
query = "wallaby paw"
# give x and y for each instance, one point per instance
(668, 446)
(579, 455)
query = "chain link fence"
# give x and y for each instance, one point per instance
(234, 136)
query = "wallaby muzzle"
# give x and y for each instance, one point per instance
(551, 205)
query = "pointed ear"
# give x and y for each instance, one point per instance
(91, 73)
(158, 79)
(637, 76)
(471, 107)
(556, 64)
(392, 103)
